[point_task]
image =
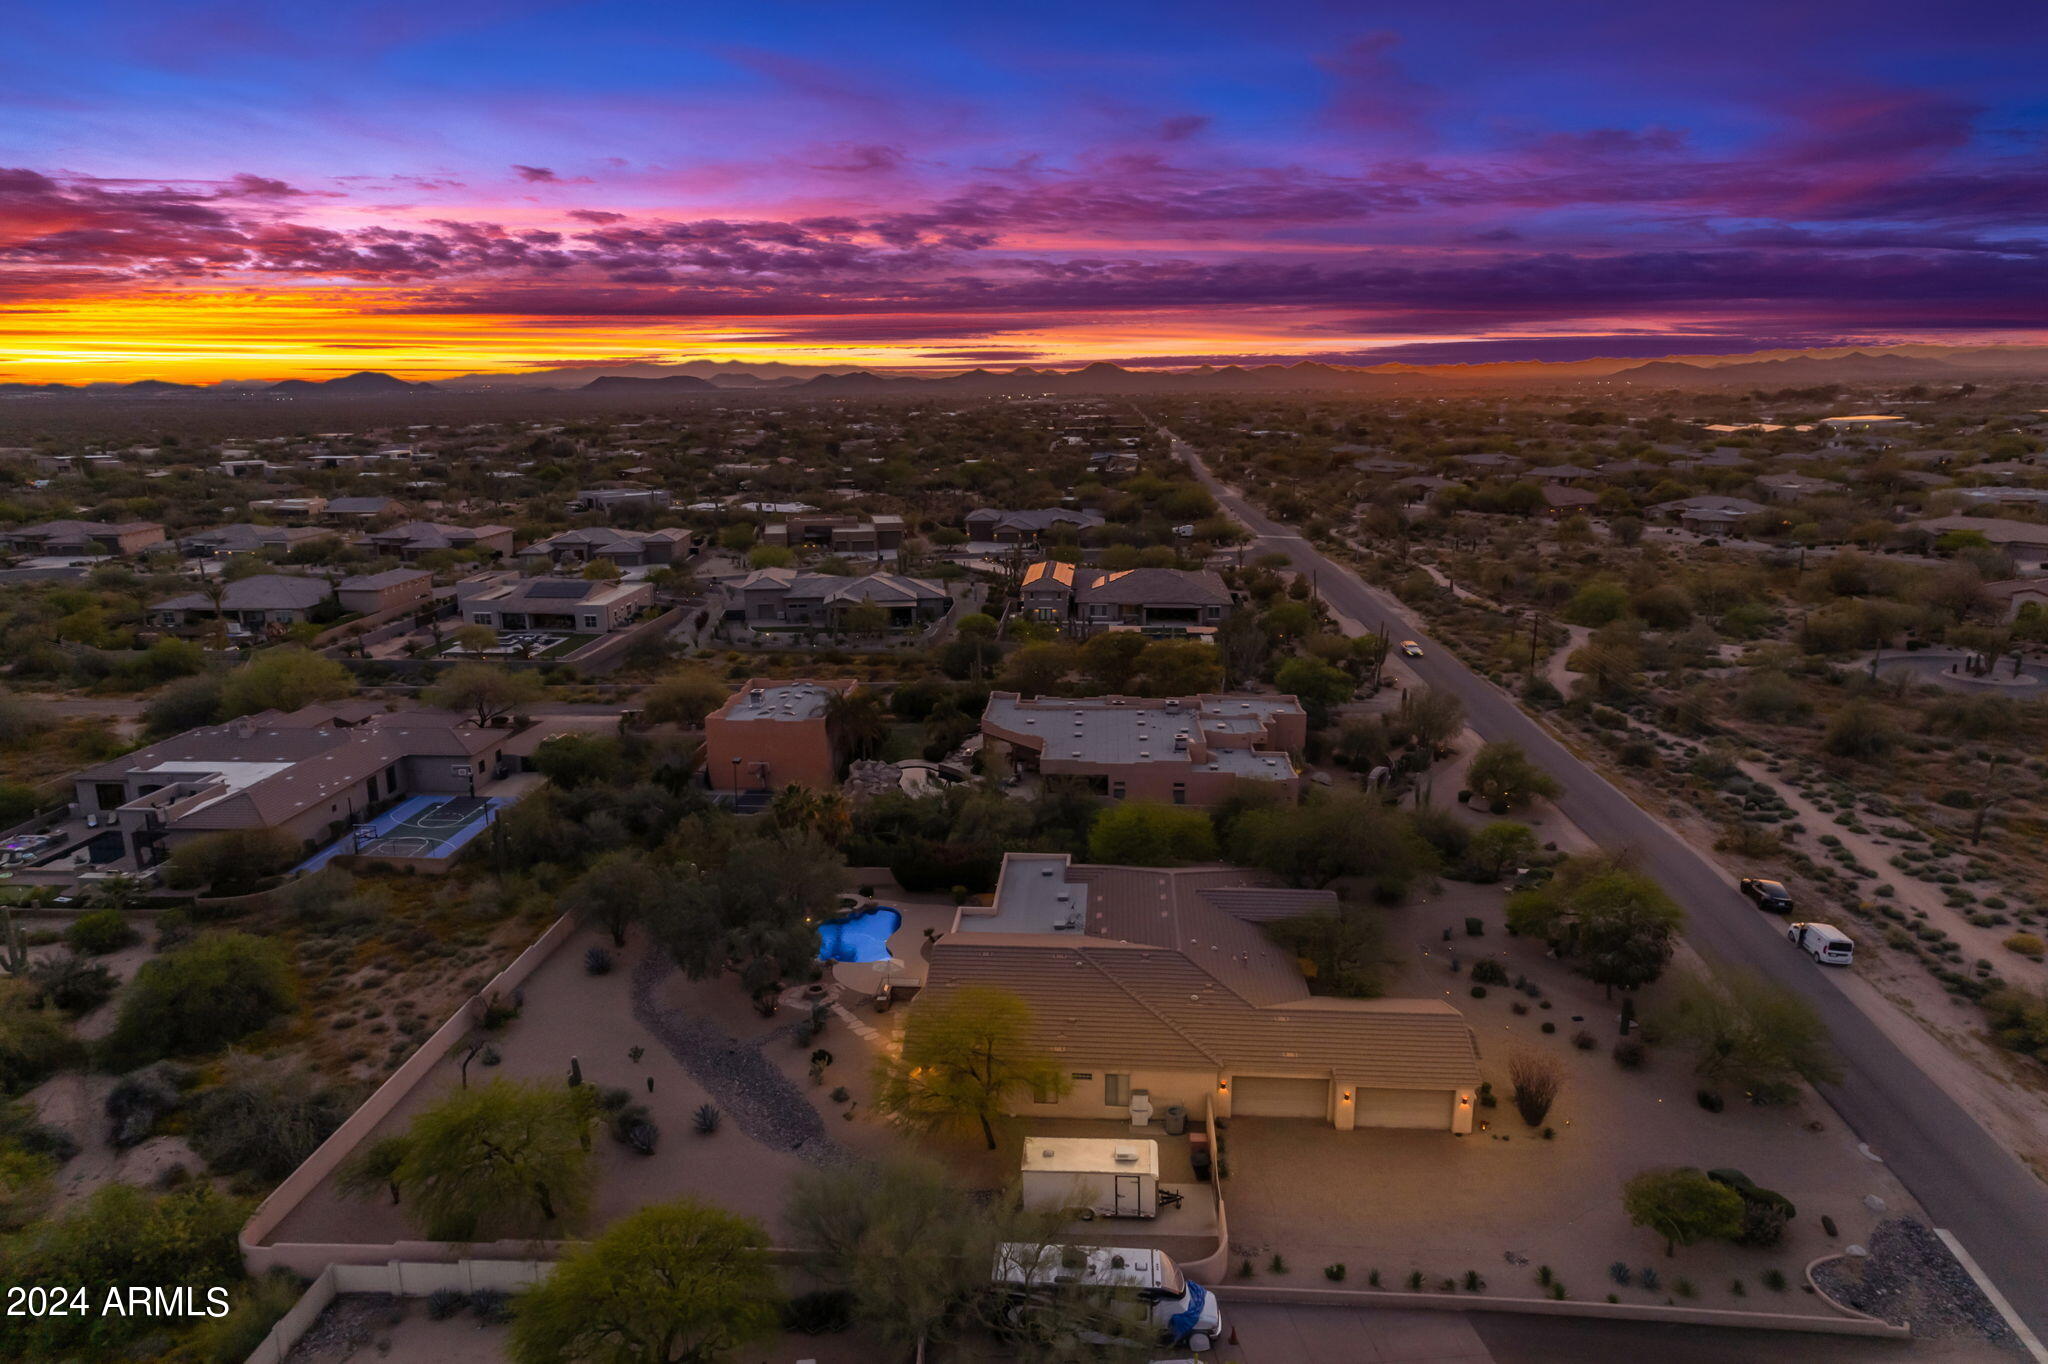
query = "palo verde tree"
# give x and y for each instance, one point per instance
(966, 1056)
(675, 1283)
(484, 691)
(1745, 1030)
(1683, 1206)
(498, 1161)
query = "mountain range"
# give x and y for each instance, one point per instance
(1911, 364)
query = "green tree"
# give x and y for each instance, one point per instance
(1110, 659)
(573, 760)
(674, 1283)
(1319, 687)
(1038, 669)
(185, 704)
(1617, 923)
(683, 696)
(196, 999)
(231, 861)
(1333, 836)
(1179, 667)
(1502, 844)
(857, 722)
(1427, 718)
(484, 690)
(1502, 772)
(1600, 602)
(753, 900)
(1142, 833)
(966, 1057)
(622, 888)
(474, 638)
(284, 679)
(1860, 730)
(864, 618)
(1683, 1206)
(265, 1117)
(770, 556)
(1745, 1030)
(499, 1161)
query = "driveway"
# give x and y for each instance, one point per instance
(1970, 1183)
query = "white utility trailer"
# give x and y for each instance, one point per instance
(1093, 1177)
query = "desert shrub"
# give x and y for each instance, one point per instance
(71, 983)
(265, 1118)
(1537, 1079)
(100, 932)
(1487, 971)
(212, 991)
(822, 1311)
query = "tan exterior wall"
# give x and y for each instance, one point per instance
(369, 601)
(772, 754)
(1188, 1088)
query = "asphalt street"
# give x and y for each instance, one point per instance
(1969, 1183)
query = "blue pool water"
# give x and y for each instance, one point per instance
(864, 937)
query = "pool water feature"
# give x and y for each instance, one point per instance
(861, 937)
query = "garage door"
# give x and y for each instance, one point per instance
(1429, 1108)
(1266, 1096)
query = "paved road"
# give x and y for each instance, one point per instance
(1272, 1334)
(1967, 1181)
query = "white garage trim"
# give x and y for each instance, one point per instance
(1424, 1108)
(1273, 1096)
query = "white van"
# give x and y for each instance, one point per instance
(1140, 1296)
(1825, 943)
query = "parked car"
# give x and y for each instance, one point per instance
(1770, 895)
(1825, 943)
(1411, 649)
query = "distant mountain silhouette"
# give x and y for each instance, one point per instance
(368, 383)
(667, 383)
(1857, 367)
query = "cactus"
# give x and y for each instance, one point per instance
(14, 955)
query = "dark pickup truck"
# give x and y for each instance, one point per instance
(1770, 895)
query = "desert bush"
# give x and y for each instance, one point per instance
(1537, 1079)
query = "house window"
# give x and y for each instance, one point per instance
(1180, 793)
(590, 622)
(1042, 1094)
(1116, 790)
(1116, 1091)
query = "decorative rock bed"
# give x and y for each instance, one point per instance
(1910, 1276)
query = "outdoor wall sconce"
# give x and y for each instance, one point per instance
(1223, 1085)
(1347, 1096)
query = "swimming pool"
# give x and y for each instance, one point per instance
(864, 937)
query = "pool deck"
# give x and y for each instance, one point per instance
(906, 947)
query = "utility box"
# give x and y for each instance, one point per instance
(1092, 1177)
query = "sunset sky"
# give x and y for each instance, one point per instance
(210, 191)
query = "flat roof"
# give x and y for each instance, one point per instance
(781, 701)
(1088, 1155)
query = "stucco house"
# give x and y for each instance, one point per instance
(1188, 750)
(252, 605)
(395, 588)
(414, 538)
(772, 734)
(79, 539)
(1159, 982)
(583, 606)
(994, 525)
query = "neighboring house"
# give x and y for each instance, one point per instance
(2015, 595)
(1191, 750)
(2014, 498)
(1561, 499)
(1159, 982)
(361, 508)
(245, 538)
(1113, 463)
(840, 534)
(615, 499)
(292, 510)
(1709, 512)
(252, 604)
(1792, 487)
(1157, 599)
(788, 596)
(2025, 541)
(583, 606)
(991, 525)
(414, 538)
(1557, 473)
(626, 548)
(309, 773)
(81, 538)
(369, 593)
(249, 468)
(1047, 590)
(1169, 599)
(772, 734)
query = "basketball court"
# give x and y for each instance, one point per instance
(436, 828)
